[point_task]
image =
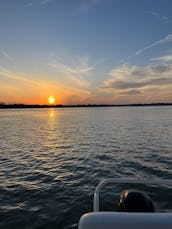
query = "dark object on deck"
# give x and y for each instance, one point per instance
(135, 201)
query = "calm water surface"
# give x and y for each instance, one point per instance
(52, 159)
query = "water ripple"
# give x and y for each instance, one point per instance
(52, 159)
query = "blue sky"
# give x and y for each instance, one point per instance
(86, 51)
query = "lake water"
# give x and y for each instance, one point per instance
(52, 159)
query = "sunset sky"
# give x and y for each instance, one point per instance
(85, 51)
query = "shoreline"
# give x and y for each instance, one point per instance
(25, 106)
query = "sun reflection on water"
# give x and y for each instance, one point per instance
(51, 113)
(52, 133)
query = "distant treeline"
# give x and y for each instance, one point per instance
(3, 105)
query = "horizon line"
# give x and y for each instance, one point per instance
(21, 105)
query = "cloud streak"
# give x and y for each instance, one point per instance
(167, 58)
(5, 73)
(165, 40)
(76, 73)
(162, 41)
(79, 70)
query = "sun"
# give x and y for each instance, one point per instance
(51, 100)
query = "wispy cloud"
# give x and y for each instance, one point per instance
(162, 41)
(158, 16)
(44, 2)
(41, 2)
(89, 4)
(78, 71)
(5, 73)
(6, 55)
(130, 92)
(165, 40)
(167, 58)
(75, 73)
(29, 4)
